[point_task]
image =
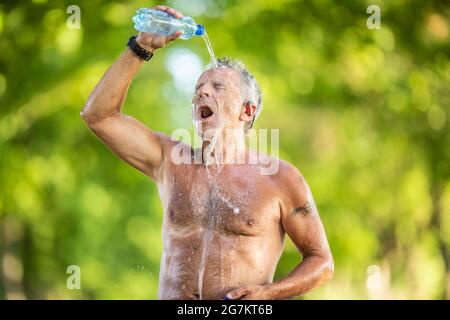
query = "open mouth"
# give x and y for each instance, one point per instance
(206, 112)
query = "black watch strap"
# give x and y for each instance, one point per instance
(138, 50)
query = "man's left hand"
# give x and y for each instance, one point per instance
(251, 292)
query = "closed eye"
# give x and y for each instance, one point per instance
(198, 86)
(218, 85)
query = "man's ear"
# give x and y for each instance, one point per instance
(248, 111)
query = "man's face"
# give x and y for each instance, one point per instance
(218, 100)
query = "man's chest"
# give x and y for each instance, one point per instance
(231, 203)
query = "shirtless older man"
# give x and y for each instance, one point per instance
(223, 225)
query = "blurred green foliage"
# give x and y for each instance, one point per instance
(364, 114)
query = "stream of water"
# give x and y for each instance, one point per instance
(212, 208)
(210, 50)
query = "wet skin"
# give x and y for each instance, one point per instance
(223, 226)
(231, 219)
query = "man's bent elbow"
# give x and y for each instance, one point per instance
(87, 116)
(84, 116)
(328, 268)
(91, 117)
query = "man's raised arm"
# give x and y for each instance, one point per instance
(128, 138)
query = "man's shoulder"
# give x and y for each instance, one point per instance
(281, 172)
(289, 180)
(168, 143)
(288, 170)
(292, 186)
(284, 172)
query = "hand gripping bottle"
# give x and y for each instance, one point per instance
(162, 23)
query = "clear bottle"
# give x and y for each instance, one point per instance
(160, 22)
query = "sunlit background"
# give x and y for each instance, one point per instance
(364, 114)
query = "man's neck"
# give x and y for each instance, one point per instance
(226, 147)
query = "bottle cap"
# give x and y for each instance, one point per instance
(200, 30)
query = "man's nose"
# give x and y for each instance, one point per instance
(203, 92)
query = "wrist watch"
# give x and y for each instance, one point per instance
(138, 50)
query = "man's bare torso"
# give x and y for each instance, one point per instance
(221, 229)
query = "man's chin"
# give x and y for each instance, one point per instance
(207, 130)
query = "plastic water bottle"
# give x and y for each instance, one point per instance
(162, 23)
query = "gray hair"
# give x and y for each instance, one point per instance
(253, 91)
